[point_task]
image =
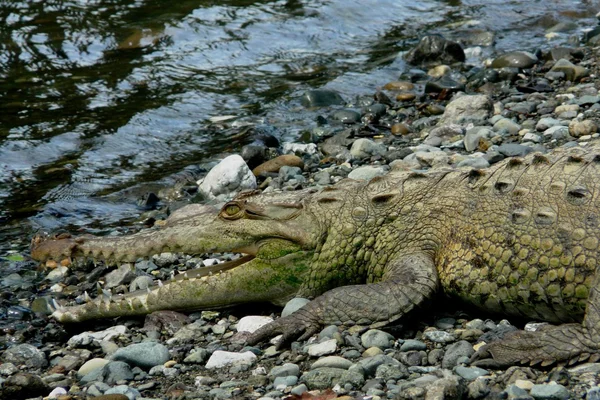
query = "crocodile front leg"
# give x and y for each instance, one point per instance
(407, 283)
(564, 343)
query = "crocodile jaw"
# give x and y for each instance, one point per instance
(248, 279)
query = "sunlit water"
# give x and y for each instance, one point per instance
(98, 97)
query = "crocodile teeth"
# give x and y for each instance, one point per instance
(86, 297)
(160, 284)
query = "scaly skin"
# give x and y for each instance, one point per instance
(520, 238)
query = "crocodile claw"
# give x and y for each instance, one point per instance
(292, 327)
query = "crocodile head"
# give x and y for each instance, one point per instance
(276, 233)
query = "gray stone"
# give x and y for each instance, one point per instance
(286, 173)
(227, 178)
(143, 355)
(122, 275)
(281, 382)
(370, 364)
(470, 373)
(26, 355)
(593, 394)
(141, 282)
(545, 123)
(455, 351)
(439, 336)
(222, 359)
(413, 344)
(377, 338)
(474, 135)
(514, 150)
(474, 162)
(557, 132)
(395, 372)
(364, 148)
(323, 348)
(367, 172)
(332, 362)
(287, 369)
(324, 378)
(476, 109)
(125, 390)
(293, 305)
(196, 356)
(111, 373)
(298, 390)
(549, 392)
(516, 393)
(507, 125)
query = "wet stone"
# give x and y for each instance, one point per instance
(571, 71)
(23, 386)
(321, 98)
(444, 84)
(435, 48)
(346, 116)
(287, 369)
(515, 59)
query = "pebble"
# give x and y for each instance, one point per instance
(222, 359)
(226, 179)
(323, 348)
(367, 172)
(332, 362)
(293, 305)
(377, 338)
(581, 128)
(143, 355)
(550, 392)
(25, 355)
(364, 148)
(515, 59)
(475, 109)
(275, 164)
(252, 323)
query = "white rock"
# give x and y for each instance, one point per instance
(222, 359)
(227, 178)
(85, 338)
(323, 348)
(58, 391)
(91, 365)
(251, 323)
(292, 148)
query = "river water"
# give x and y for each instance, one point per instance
(103, 101)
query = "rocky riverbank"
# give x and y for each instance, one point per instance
(442, 113)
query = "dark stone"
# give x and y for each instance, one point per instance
(444, 83)
(346, 116)
(23, 386)
(377, 109)
(514, 150)
(321, 98)
(435, 48)
(148, 201)
(254, 155)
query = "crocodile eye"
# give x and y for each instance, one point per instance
(232, 209)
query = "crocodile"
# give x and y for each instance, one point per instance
(519, 238)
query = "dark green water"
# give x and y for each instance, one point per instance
(99, 97)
